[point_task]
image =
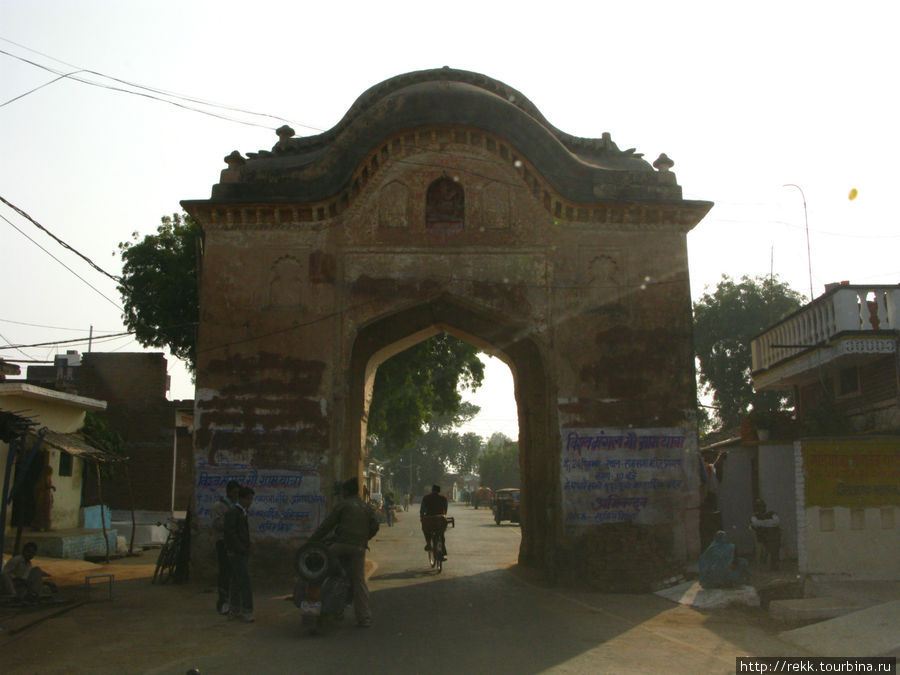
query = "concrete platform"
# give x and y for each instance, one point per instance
(692, 594)
(809, 609)
(874, 631)
(74, 543)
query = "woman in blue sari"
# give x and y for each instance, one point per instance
(718, 566)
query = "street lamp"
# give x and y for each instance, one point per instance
(806, 220)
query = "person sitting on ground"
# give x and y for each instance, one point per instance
(433, 505)
(20, 578)
(767, 528)
(718, 566)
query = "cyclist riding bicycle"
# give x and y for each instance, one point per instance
(432, 513)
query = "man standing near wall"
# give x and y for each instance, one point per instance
(767, 527)
(237, 543)
(218, 512)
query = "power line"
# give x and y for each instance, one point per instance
(46, 84)
(90, 262)
(72, 76)
(96, 338)
(40, 325)
(153, 89)
(10, 344)
(85, 281)
(757, 221)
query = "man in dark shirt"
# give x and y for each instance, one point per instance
(433, 504)
(237, 543)
(217, 518)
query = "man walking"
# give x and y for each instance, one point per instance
(222, 506)
(237, 544)
(354, 523)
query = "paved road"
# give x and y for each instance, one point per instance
(477, 616)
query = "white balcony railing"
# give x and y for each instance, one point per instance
(842, 309)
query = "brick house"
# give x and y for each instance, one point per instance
(52, 443)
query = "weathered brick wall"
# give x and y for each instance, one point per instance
(134, 387)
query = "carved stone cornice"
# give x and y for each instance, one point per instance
(647, 201)
(322, 168)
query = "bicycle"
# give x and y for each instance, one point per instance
(437, 551)
(167, 561)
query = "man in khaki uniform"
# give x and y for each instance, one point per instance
(354, 523)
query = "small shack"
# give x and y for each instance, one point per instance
(42, 449)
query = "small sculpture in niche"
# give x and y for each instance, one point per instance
(445, 204)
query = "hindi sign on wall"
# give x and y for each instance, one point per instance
(854, 473)
(286, 504)
(614, 475)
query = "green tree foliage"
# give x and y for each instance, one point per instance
(418, 385)
(499, 465)
(159, 286)
(725, 321)
(468, 451)
(97, 432)
(448, 450)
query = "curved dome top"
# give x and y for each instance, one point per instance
(599, 151)
(320, 166)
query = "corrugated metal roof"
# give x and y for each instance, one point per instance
(76, 445)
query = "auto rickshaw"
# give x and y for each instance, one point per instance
(506, 505)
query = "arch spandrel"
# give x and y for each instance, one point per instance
(569, 260)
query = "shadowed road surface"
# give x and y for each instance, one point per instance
(477, 616)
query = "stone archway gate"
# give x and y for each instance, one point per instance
(444, 201)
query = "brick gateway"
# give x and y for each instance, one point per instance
(444, 201)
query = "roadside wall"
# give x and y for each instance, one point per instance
(777, 490)
(847, 503)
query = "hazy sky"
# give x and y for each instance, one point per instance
(744, 98)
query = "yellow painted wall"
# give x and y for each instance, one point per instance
(849, 506)
(64, 416)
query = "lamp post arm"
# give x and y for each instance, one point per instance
(806, 222)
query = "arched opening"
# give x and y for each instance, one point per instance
(445, 205)
(538, 433)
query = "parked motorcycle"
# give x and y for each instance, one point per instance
(323, 590)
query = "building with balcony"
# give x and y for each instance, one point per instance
(841, 349)
(839, 356)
